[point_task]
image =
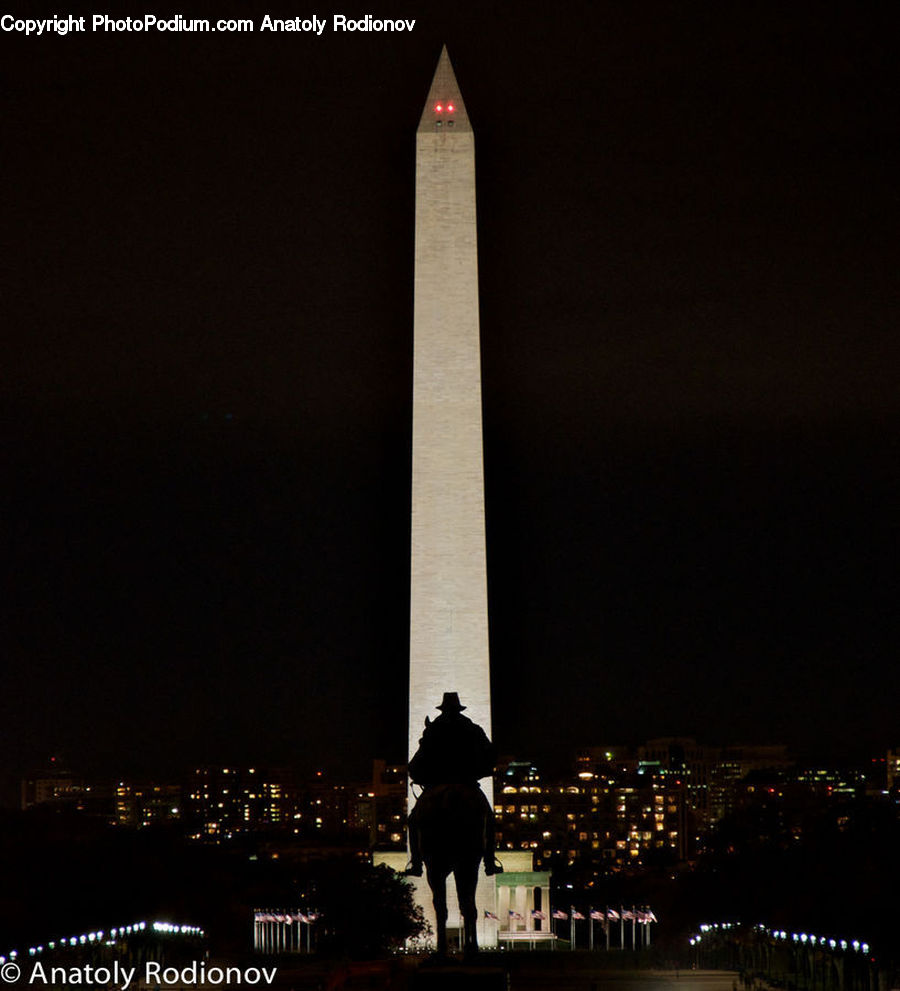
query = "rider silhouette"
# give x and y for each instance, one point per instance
(452, 750)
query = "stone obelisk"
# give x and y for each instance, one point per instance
(448, 643)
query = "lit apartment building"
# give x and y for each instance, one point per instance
(224, 802)
(147, 804)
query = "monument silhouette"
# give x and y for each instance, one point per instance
(448, 646)
(448, 637)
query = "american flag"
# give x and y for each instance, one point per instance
(559, 914)
(490, 915)
(516, 916)
(537, 914)
(576, 915)
(612, 915)
(595, 914)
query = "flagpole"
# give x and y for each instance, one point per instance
(633, 929)
(590, 929)
(621, 929)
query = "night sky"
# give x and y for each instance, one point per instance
(688, 220)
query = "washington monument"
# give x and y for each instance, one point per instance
(448, 644)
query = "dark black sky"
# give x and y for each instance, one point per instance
(688, 221)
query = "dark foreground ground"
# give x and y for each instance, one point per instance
(560, 971)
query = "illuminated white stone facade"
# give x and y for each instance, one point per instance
(448, 608)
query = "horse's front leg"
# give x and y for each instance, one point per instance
(438, 884)
(466, 883)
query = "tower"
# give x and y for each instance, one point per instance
(448, 581)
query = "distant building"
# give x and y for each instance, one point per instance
(608, 816)
(892, 770)
(380, 809)
(58, 787)
(626, 808)
(222, 803)
(830, 782)
(693, 766)
(52, 785)
(147, 804)
(733, 764)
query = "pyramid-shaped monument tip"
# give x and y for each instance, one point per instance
(444, 109)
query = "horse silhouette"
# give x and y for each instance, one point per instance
(452, 824)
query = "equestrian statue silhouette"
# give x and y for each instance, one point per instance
(451, 828)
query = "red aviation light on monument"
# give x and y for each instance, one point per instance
(450, 108)
(439, 108)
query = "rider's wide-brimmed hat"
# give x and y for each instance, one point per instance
(450, 703)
